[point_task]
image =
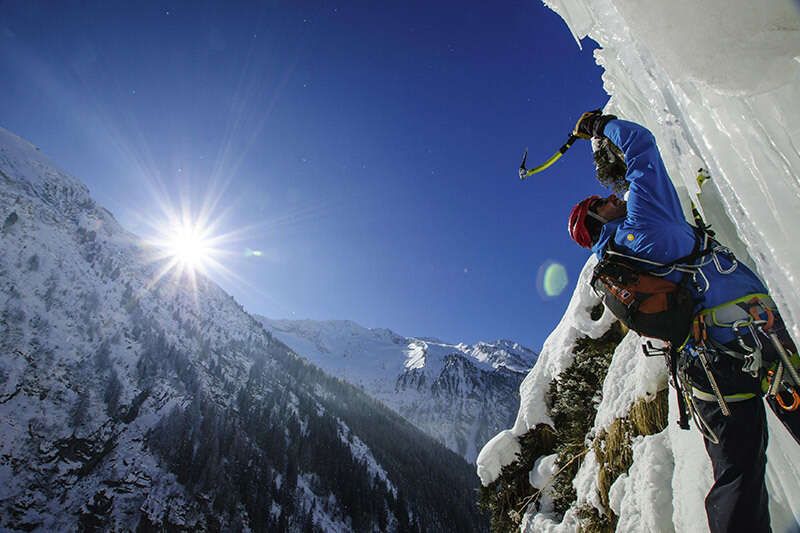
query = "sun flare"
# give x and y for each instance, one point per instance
(189, 247)
(186, 246)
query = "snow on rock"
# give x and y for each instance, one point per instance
(502, 354)
(630, 377)
(416, 355)
(546, 523)
(543, 470)
(643, 497)
(541, 477)
(557, 353)
(585, 484)
(498, 452)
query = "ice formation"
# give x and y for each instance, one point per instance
(718, 84)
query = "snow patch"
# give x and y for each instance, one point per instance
(631, 377)
(362, 453)
(323, 511)
(642, 498)
(502, 450)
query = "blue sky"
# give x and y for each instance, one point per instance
(368, 149)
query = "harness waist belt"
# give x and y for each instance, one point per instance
(733, 312)
(732, 398)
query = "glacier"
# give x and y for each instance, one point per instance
(718, 84)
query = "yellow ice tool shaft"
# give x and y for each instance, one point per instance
(525, 172)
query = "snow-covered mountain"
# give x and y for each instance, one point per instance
(132, 403)
(717, 82)
(460, 394)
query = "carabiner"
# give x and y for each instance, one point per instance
(702, 275)
(734, 262)
(795, 399)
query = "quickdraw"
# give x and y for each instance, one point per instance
(753, 361)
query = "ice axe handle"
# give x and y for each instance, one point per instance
(524, 172)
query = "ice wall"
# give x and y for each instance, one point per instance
(718, 83)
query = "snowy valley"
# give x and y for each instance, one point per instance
(129, 402)
(459, 394)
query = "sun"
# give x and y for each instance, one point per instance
(189, 247)
(185, 246)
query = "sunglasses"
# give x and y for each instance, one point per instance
(597, 203)
(594, 205)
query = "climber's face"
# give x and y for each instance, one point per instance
(610, 208)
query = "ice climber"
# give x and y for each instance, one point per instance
(725, 351)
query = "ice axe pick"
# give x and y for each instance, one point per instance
(525, 172)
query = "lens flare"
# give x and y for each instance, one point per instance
(551, 280)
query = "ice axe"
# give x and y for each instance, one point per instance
(525, 172)
(579, 132)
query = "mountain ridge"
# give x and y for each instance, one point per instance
(457, 393)
(129, 400)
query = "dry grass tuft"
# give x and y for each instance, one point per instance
(612, 447)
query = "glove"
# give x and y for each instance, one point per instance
(591, 124)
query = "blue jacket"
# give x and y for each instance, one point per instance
(656, 229)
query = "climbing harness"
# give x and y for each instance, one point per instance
(638, 293)
(749, 317)
(707, 247)
(525, 172)
(743, 317)
(683, 391)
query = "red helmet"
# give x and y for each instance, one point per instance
(577, 222)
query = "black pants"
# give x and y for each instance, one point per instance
(738, 501)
